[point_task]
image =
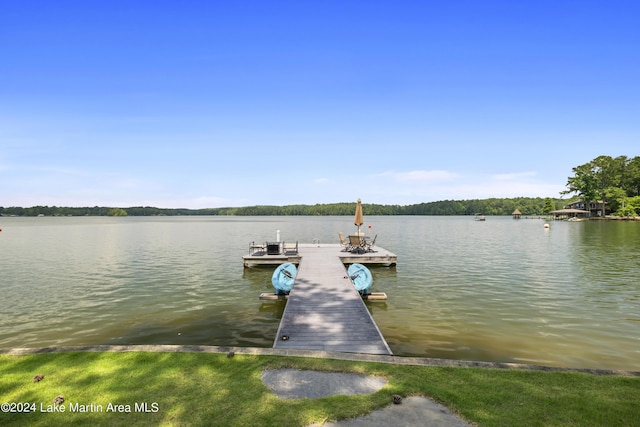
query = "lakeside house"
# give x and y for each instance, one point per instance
(582, 210)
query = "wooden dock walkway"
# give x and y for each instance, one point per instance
(324, 311)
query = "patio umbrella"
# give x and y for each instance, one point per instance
(358, 221)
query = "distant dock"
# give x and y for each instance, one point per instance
(324, 311)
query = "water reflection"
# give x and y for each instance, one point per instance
(499, 290)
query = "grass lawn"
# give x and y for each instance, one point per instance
(211, 389)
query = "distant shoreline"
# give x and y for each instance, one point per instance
(526, 207)
(529, 206)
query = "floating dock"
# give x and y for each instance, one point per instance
(380, 256)
(324, 311)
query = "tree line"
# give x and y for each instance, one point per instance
(616, 181)
(494, 206)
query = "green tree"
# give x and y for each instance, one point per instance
(631, 207)
(615, 198)
(588, 179)
(631, 177)
(117, 212)
(606, 178)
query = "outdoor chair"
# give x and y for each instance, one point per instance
(257, 248)
(357, 243)
(370, 244)
(290, 248)
(346, 247)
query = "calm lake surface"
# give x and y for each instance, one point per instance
(500, 290)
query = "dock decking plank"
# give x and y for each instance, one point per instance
(325, 312)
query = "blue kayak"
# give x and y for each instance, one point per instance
(361, 277)
(283, 277)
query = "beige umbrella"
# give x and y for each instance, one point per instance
(358, 221)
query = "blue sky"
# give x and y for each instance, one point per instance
(208, 103)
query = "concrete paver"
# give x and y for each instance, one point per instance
(413, 411)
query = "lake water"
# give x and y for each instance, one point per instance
(501, 290)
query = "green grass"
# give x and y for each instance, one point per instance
(211, 389)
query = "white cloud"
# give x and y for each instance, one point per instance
(484, 189)
(201, 202)
(61, 171)
(421, 176)
(428, 186)
(513, 176)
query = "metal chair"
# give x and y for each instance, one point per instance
(290, 248)
(370, 244)
(346, 247)
(257, 248)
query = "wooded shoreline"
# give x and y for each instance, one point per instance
(529, 206)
